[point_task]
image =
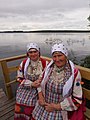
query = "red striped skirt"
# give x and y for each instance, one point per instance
(23, 112)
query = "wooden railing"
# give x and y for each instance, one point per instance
(85, 73)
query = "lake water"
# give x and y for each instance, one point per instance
(13, 44)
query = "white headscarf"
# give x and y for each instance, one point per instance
(68, 84)
(59, 48)
(32, 45)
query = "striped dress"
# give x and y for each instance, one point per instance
(27, 96)
(54, 94)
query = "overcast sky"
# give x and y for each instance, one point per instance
(26, 11)
(28, 6)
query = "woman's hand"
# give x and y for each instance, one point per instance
(36, 83)
(26, 83)
(52, 106)
(41, 99)
(22, 82)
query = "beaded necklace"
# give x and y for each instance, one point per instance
(57, 74)
(34, 70)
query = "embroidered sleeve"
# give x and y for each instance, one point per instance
(72, 102)
(20, 76)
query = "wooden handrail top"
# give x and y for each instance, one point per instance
(85, 72)
(18, 57)
(13, 58)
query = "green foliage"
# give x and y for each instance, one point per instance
(86, 62)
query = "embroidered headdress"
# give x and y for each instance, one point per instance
(32, 45)
(59, 48)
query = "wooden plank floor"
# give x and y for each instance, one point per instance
(6, 107)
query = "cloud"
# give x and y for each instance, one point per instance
(15, 14)
(33, 6)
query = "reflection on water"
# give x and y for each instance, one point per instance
(75, 55)
(69, 41)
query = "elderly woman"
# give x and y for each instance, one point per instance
(61, 88)
(29, 75)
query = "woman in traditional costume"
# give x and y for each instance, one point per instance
(29, 76)
(61, 88)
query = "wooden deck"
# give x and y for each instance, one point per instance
(6, 107)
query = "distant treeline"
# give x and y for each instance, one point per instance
(42, 31)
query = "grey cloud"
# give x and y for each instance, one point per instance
(31, 6)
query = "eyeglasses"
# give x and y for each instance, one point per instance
(32, 52)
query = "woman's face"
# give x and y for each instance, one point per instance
(33, 54)
(59, 58)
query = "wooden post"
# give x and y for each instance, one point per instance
(6, 79)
